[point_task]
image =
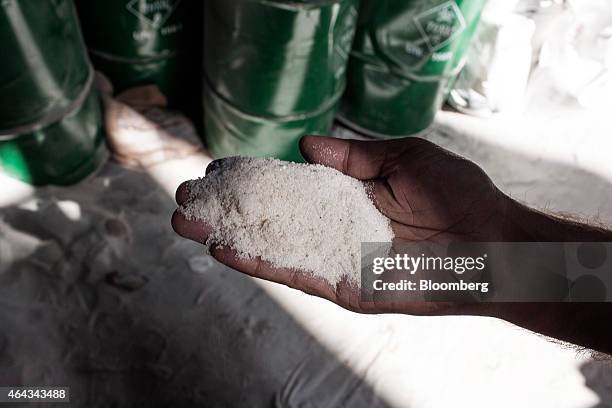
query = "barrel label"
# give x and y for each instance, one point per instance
(153, 12)
(440, 25)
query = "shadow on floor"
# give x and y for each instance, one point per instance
(598, 377)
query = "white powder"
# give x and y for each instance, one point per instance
(302, 216)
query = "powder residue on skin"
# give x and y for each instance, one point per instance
(302, 216)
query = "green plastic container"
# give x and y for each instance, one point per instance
(405, 57)
(241, 134)
(50, 118)
(61, 153)
(274, 71)
(141, 42)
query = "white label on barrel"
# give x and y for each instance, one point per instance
(153, 12)
(440, 24)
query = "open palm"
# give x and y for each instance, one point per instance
(428, 193)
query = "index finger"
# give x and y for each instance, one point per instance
(258, 268)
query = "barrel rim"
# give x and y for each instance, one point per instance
(360, 58)
(297, 5)
(54, 116)
(330, 104)
(125, 60)
(375, 135)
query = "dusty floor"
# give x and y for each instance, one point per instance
(98, 293)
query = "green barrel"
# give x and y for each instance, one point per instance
(141, 42)
(273, 71)
(405, 57)
(50, 116)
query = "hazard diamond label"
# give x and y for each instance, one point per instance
(440, 24)
(153, 12)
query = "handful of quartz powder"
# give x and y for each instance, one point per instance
(302, 216)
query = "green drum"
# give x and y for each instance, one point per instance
(273, 71)
(240, 134)
(405, 57)
(50, 118)
(141, 42)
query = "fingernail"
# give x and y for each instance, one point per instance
(213, 165)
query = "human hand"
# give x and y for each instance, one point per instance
(428, 193)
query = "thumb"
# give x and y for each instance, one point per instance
(363, 160)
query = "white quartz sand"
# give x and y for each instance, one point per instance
(302, 216)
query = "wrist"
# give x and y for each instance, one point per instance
(525, 224)
(516, 219)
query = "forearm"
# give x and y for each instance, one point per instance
(584, 324)
(528, 225)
